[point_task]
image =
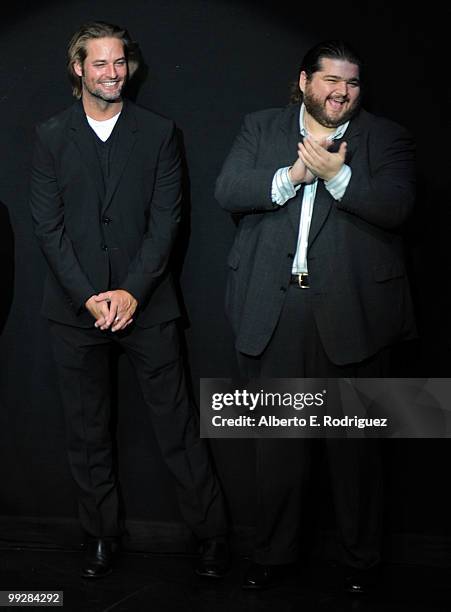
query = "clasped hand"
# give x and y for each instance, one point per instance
(112, 309)
(314, 160)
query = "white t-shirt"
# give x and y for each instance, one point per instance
(103, 129)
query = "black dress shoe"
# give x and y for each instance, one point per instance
(260, 577)
(360, 582)
(99, 556)
(214, 560)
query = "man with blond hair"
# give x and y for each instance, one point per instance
(106, 205)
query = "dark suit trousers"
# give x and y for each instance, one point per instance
(295, 350)
(82, 357)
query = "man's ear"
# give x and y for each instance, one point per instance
(78, 69)
(302, 80)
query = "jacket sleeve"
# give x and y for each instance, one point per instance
(242, 186)
(47, 211)
(382, 187)
(151, 261)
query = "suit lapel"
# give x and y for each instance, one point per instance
(351, 136)
(323, 199)
(287, 153)
(84, 141)
(126, 138)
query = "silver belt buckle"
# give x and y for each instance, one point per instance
(303, 280)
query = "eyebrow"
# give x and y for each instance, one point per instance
(104, 61)
(340, 78)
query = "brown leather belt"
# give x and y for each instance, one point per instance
(300, 279)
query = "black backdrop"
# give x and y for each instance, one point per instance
(209, 63)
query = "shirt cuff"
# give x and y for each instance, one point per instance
(282, 189)
(338, 184)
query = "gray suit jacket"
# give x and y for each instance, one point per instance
(358, 286)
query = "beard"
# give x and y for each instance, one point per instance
(317, 109)
(100, 93)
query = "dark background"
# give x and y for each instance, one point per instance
(209, 63)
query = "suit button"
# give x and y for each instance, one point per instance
(106, 220)
(104, 247)
(290, 255)
(283, 289)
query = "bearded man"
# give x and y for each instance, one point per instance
(317, 285)
(106, 205)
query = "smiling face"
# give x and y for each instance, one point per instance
(332, 94)
(104, 70)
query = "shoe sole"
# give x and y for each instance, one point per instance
(207, 575)
(96, 576)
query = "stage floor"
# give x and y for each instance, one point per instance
(163, 583)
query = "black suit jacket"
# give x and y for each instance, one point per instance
(358, 286)
(84, 229)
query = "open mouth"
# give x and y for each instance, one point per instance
(109, 84)
(336, 104)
